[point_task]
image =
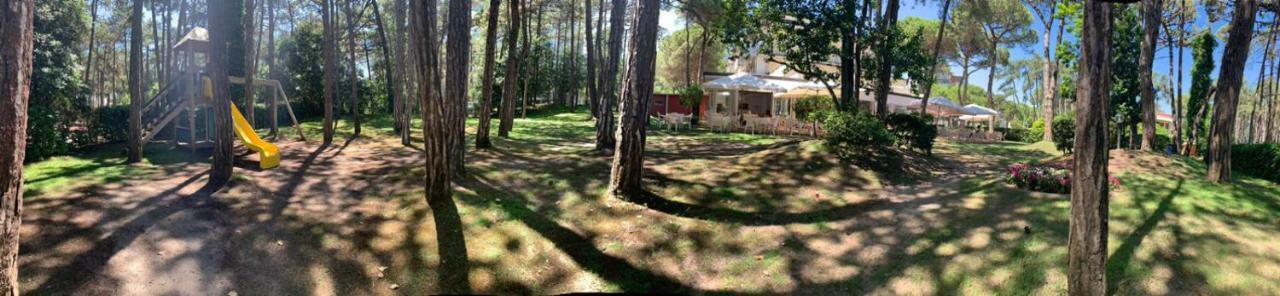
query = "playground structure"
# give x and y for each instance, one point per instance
(189, 92)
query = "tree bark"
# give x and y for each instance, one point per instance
(524, 56)
(135, 83)
(352, 18)
(1151, 26)
(628, 161)
(593, 91)
(250, 61)
(937, 52)
(609, 96)
(1049, 85)
(457, 70)
(850, 53)
(1087, 240)
(511, 79)
(330, 44)
(884, 77)
(1250, 135)
(486, 86)
(386, 58)
(434, 109)
(1234, 56)
(93, 37)
(15, 87)
(219, 13)
(403, 120)
(274, 70)
(1275, 86)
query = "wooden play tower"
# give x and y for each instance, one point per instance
(185, 102)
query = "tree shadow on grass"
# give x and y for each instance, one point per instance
(687, 210)
(580, 249)
(454, 265)
(84, 267)
(1119, 263)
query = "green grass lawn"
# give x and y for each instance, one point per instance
(741, 213)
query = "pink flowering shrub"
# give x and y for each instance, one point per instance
(1044, 178)
(1039, 178)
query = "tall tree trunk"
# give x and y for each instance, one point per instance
(884, 76)
(330, 44)
(219, 28)
(404, 120)
(136, 92)
(511, 79)
(1151, 25)
(574, 84)
(250, 60)
(157, 52)
(1174, 100)
(849, 54)
(524, 56)
(628, 161)
(1181, 111)
(593, 91)
(274, 70)
(604, 121)
(93, 37)
(486, 86)
(423, 19)
(1267, 127)
(1049, 86)
(352, 18)
(1250, 135)
(991, 76)
(457, 70)
(937, 52)
(1234, 56)
(15, 87)
(386, 59)
(1087, 240)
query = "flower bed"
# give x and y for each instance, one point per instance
(1045, 178)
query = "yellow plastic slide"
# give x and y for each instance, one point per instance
(268, 154)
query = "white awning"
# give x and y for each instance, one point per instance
(744, 81)
(976, 109)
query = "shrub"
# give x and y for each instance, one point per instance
(1064, 131)
(1039, 178)
(1258, 160)
(110, 124)
(1017, 135)
(47, 133)
(913, 131)
(849, 134)
(691, 96)
(1036, 133)
(812, 107)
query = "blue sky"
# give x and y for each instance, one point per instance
(670, 21)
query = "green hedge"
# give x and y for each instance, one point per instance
(110, 124)
(912, 130)
(853, 134)
(1018, 135)
(1258, 160)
